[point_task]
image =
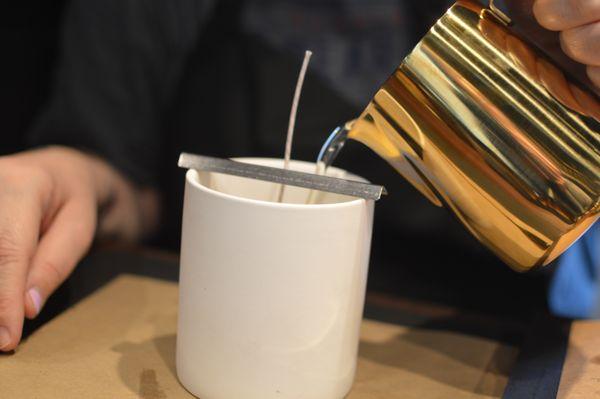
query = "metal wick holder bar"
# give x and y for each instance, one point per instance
(282, 176)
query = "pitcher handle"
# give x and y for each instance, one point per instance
(496, 13)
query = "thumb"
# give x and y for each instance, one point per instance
(594, 74)
(65, 242)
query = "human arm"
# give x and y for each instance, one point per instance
(120, 64)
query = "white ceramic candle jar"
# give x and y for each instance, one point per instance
(271, 294)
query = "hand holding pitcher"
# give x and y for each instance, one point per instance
(578, 22)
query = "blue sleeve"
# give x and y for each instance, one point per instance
(575, 287)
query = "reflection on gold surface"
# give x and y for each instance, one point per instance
(478, 120)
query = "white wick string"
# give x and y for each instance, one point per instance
(292, 121)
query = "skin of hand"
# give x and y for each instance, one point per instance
(53, 201)
(578, 22)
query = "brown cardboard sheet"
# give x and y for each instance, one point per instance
(580, 377)
(120, 343)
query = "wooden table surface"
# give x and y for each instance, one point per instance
(439, 351)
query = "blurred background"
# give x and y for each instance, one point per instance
(231, 96)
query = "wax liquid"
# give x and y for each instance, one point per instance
(329, 151)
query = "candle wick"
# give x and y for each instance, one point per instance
(292, 120)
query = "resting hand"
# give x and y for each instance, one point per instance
(49, 203)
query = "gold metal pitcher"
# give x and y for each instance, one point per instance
(482, 122)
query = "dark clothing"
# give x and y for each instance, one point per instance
(137, 82)
(28, 43)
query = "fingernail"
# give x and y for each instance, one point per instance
(4, 338)
(36, 299)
